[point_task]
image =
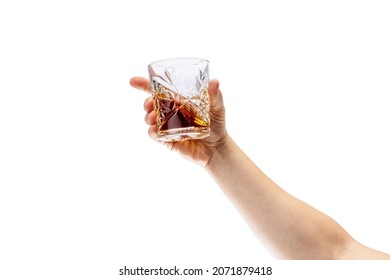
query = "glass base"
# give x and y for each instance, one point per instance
(181, 134)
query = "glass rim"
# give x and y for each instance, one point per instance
(179, 59)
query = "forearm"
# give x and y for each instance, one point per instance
(288, 227)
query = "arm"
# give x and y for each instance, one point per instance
(288, 227)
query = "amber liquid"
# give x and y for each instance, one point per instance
(181, 118)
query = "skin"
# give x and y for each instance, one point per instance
(286, 226)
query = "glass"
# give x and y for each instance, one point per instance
(181, 98)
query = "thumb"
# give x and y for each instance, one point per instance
(216, 101)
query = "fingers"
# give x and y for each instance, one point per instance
(151, 118)
(141, 84)
(148, 104)
(152, 131)
(215, 94)
(213, 87)
(151, 115)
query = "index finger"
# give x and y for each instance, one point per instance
(141, 84)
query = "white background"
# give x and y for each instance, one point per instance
(84, 191)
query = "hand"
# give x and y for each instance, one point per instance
(200, 151)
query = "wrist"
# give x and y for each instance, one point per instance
(222, 150)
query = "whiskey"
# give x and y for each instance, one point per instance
(181, 118)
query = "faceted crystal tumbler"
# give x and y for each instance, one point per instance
(181, 99)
